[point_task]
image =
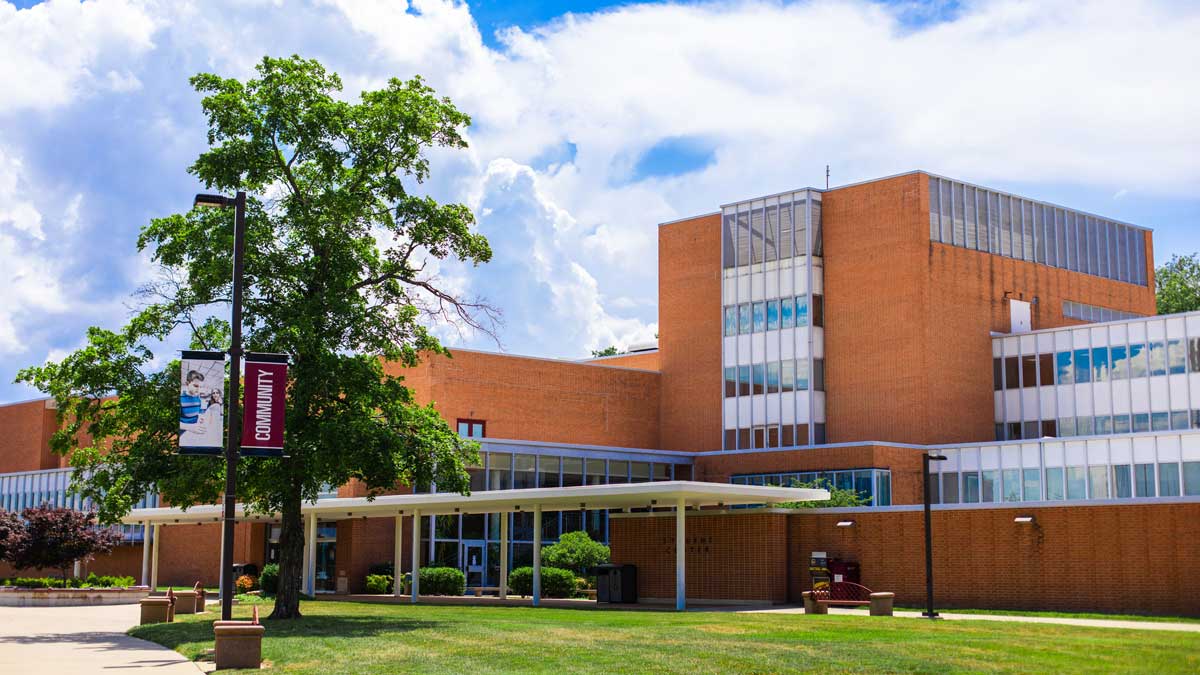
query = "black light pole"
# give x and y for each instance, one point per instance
(234, 405)
(925, 459)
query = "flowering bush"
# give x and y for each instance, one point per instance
(244, 583)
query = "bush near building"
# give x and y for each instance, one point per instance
(92, 581)
(576, 551)
(379, 584)
(244, 584)
(556, 582)
(443, 581)
(268, 581)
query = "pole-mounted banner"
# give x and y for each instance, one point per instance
(263, 404)
(201, 403)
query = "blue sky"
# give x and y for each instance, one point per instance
(593, 122)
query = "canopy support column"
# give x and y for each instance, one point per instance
(503, 556)
(154, 558)
(145, 578)
(398, 557)
(537, 555)
(416, 554)
(680, 551)
(310, 555)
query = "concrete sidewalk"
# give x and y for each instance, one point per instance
(1065, 621)
(75, 640)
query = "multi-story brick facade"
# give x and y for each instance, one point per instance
(836, 335)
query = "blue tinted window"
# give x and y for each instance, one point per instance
(760, 318)
(1141, 422)
(760, 377)
(801, 374)
(744, 318)
(1160, 421)
(801, 311)
(1064, 372)
(1103, 424)
(1066, 426)
(1083, 371)
(1158, 358)
(1176, 358)
(1120, 424)
(731, 320)
(1100, 364)
(1137, 360)
(773, 315)
(1083, 426)
(1120, 362)
(787, 313)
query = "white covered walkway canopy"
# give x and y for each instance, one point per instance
(680, 495)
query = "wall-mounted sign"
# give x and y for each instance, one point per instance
(201, 403)
(264, 404)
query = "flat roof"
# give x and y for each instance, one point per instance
(613, 496)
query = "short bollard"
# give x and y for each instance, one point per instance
(238, 644)
(185, 602)
(881, 604)
(155, 610)
(201, 598)
(811, 606)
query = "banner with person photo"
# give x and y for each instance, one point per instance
(202, 403)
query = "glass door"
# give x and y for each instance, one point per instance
(473, 563)
(326, 581)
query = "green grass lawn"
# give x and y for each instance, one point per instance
(1065, 615)
(347, 637)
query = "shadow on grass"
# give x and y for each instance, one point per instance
(173, 635)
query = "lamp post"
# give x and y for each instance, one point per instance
(926, 458)
(235, 368)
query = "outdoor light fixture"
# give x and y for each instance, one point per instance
(1023, 519)
(845, 523)
(218, 201)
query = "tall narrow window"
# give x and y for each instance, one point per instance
(1029, 370)
(773, 377)
(1065, 369)
(730, 381)
(773, 315)
(1176, 357)
(745, 326)
(1168, 479)
(743, 237)
(771, 233)
(935, 221)
(1158, 358)
(968, 216)
(787, 313)
(1082, 366)
(787, 375)
(728, 241)
(760, 316)
(757, 247)
(1027, 239)
(731, 320)
(786, 232)
(1046, 370)
(1100, 364)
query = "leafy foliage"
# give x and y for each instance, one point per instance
(576, 551)
(269, 579)
(610, 350)
(442, 581)
(556, 582)
(56, 537)
(244, 584)
(12, 533)
(387, 568)
(1177, 285)
(338, 275)
(837, 497)
(379, 584)
(92, 581)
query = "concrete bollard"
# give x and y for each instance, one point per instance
(238, 644)
(155, 610)
(185, 602)
(811, 606)
(881, 604)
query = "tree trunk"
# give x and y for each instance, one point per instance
(291, 558)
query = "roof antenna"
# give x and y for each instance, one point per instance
(826, 176)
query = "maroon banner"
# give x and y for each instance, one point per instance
(264, 402)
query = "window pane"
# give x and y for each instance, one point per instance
(1076, 483)
(801, 374)
(1011, 373)
(1012, 485)
(572, 468)
(1158, 358)
(1120, 362)
(731, 320)
(1138, 364)
(731, 381)
(524, 473)
(1029, 371)
(760, 319)
(1065, 369)
(1120, 424)
(1191, 478)
(1122, 481)
(949, 488)
(1160, 421)
(1168, 479)
(773, 377)
(787, 375)
(1083, 370)
(1054, 483)
(997, 374)
(1100, 364)
(1141, 422)
(1176, 359)
(787, 313)
(743, 380)
(1046, 370)
(990, 486)
(1032, 490)
(744, 322)
(1098, 482)
(759, 373)
(1179, 420)
(1143, 480)
(773, 315)
(971, 487)
(1194, 355)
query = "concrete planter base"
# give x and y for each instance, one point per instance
(70, 597)
(238, 644)
(881, 604)
(156, 610)
(185, 602)
(811, 606)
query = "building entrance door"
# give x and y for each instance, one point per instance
(472, 560)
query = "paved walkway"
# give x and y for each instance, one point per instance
(76, 640)
(1066, 621)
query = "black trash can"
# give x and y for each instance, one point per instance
(616, 583)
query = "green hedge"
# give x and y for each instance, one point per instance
(92, 581)
(442, 581)
(268, 581)
(379, 584)
(556, 582)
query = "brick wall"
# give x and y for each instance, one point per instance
(25, 431)
(689, 339)
(743, 558)
(191, 553)
(1129, 558)
(541, 399)
(647, 360)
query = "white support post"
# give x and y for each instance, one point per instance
(416, 555)
(398, 557)
(145, 578)
(310, 555)
(503, 556)
(537, 555)
(77, 569)
(680, 550)
(304, 558)
(154, 558)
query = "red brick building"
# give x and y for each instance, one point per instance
(832, 336)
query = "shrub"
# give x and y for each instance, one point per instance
(443, 581)
(269, 579)
(556, 582)
(244, 584)
(92, 581)
(575, 551)
(386, 569)
(379, 584)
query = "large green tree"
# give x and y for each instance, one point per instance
(1177, 285)
(337, 269)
